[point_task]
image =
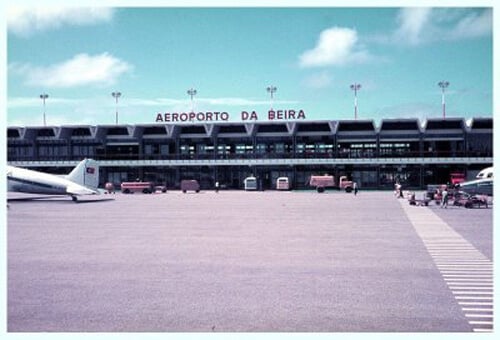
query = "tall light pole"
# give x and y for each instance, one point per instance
(271, 90)
(355, 87)
(44, 96)
(443, 85)
(192, 92)
(116, 95)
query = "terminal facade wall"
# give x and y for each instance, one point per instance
(345, 142)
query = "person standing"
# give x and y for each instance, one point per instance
(217, 186)
(355, 187)
(444, 198)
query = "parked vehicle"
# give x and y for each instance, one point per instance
(282, 183)
(322, 182)
(327, 181)
(413, 200)
(190, 185)
(345, 184)
(466, 200)
(132, 187)
(160, 189)
(250, 183)
(109, 187)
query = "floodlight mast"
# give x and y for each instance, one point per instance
(192, 92)
(355, 87)
(116, 95)
(271, 90)
(43, 97)
(443, 85)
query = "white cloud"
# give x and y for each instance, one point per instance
(335, 46)
(24, 21)
(318, 80)
(473, 25)
(412, 22)
(82, 69)
(417, 26)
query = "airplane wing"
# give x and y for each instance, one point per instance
(75, 189)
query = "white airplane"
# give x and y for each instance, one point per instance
(481, 185)
(485, 173)
(82, 180)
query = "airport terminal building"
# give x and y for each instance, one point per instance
(374, 154)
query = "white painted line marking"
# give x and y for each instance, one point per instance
(475, 275)
(456, 285)
(468, 309)
(466, 266)
(486, 316)
(473, 288)
(454, 261)
(466, 271)
(481, 322)
(473, 298)
(465, 303)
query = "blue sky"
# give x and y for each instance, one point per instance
(152, 55)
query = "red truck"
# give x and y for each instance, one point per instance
(327, 181)
(131, 187)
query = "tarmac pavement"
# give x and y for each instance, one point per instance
(231, 262)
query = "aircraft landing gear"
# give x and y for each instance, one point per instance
(74, 198)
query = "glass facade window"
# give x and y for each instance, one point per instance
(394, 149)
(204, 149)
(186, 149)
(164, 149)
(365, 178)
(300, 148)
(243, 149)
(83, 150)
(49, 151)
(357, 150)
(20, 152)
(279, 147)
(223, 149)
(324, 148)
(408, 176)
(117, 177)
(261, 148)
(310, 148)
(153, 150)
(480, 145)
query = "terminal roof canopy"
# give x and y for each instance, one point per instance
(482, 123)
(445, 124)
(343, 128)
(352, 126)
(399, 125)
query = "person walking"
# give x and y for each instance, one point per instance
(355, 187)
(444, 198)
